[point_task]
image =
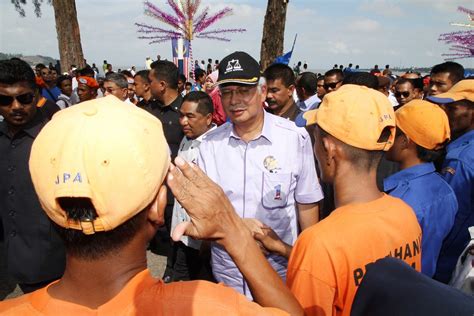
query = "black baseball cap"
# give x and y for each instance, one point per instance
(238, 67)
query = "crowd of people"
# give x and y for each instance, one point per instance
(343, 193)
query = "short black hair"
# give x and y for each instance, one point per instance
(362, 79)
(335, 72)
(15, 70)
(427, 155)
(280, 71)
(182, 78)
(87, 71)
(63, 78)
(127, 73)
(167, 71)
(416, 83)
(144, 75)
(366, 160)
(188, 84)
(119, 79)
(198, 73)
(455, 70)
(308, 81)
(204, 101)
(100, 244)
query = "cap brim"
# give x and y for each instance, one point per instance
(252, 81)
(306, 118)
(443, 98)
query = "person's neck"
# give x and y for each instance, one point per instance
(50, 84)
(169, 97)
(456, 135)
(147, 96)
(251, 130)
(92, 283)
(13, 130)
(285, 108)
(408, 162)
(355, 186)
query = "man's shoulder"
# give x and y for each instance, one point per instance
(283, 125)
(206, 298)
(18, 306)
(463, 151)
(219, 133)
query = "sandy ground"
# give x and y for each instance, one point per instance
(8, 289)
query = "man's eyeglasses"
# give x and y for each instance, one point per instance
(26, 98)
(331, 85)
(405, 94)
(242, 93)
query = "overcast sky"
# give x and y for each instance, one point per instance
(366, 32)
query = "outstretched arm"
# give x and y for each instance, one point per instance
(213, 217)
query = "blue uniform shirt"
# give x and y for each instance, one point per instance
(51, 94)
(458, 171)
(434, 203)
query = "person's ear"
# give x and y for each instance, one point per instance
(404, 142)
(156, 213)
(209, 119)
(330, 149)
(291, 89)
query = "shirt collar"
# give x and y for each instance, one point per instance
(462, 140)
(176, 104)
(312, 100)
(213, 127)
(32, 128)
(407, 175)
(268, 123)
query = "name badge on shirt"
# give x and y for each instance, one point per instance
(271, 164)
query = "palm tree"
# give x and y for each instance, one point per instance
(67, 28)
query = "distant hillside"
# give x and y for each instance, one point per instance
(32, 60)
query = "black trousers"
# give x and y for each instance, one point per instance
(187, 263)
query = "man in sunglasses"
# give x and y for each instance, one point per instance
(333, 80)
(35, 254)
(405, 91)
(50, 91)
(264, 163)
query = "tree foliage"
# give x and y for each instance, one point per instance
(19, 6)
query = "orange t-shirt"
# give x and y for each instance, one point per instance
(144, 295)
(328, 260)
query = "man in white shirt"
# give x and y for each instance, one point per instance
(195, 118)
(306, 85)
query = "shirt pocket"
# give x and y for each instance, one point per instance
(275, 189)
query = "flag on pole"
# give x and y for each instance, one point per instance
(285, 58)
(180, 49)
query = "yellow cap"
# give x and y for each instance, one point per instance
(105, 150)
(463, 90)
(356, 115)
(425, 123)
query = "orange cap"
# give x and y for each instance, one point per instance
(463, 90)
(355, 115)
(114, 154)
(425, 123)
(88, 81)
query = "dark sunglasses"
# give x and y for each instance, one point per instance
(405, 94)
(331, 85)
(26, 98)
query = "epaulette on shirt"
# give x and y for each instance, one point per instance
(291, 126)
(464, 153)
